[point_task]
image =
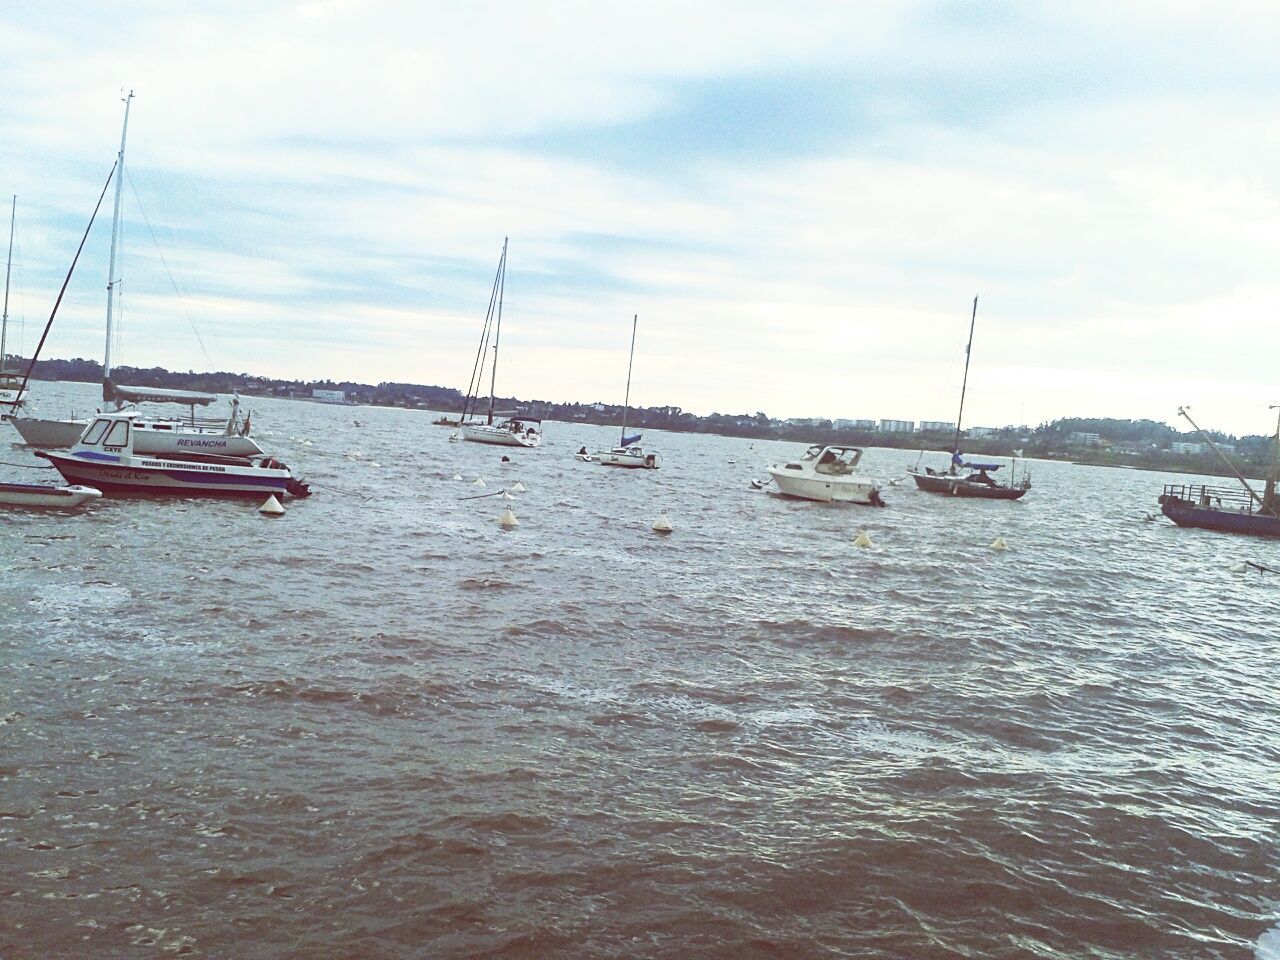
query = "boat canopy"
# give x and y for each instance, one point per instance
(959, 461)
(113, 393)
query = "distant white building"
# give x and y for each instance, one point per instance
(1088, 439)
(845, 424)
(329, 396)
(1192, 449)
(980, 433)
(897, 426)
(937, 426)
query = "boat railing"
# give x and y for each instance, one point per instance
(1230, 499)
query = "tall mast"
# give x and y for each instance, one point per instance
(497, 333)
(115, 238)
(4, 317)
(626, 403)
(968, 353)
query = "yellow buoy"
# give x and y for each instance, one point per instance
(662, 524)
(271, 507)
(507, 519)
(517, 487)
(862, 540)
(999, 544)
(457, 476)
(479, 482)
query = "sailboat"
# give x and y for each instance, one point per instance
(229, 437)
(965, 478)
(628, 452)
(12, 396)
(1226, 509)
(511, 430)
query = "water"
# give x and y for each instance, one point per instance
(381, 726)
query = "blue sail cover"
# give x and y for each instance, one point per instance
(959, 461)
(628, 441)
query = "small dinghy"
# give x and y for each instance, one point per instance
(45, 495)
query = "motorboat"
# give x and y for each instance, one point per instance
(46, 495)
(633, 456)
(827, 474)
(104, 457)
(628, 452)
(513, 432)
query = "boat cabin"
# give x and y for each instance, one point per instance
(107, 436)
(832, 461)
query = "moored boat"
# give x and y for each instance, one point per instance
(1226, 509)
(104, 457)
(964, 478)
(46, 495)
(827, 474)
(628, 453)
(12, 390)
(512, 432)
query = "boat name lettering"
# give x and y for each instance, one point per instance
(202, 443)
(207, 467)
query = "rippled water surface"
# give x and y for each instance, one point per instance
(381, 726)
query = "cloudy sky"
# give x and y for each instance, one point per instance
(799, 199)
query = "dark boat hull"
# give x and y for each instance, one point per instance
(959, 487)
(1186, 514)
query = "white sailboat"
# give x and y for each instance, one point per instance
(228, 437)
(12, 394)
(628, 452)
(513, 430)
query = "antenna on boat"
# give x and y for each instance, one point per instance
(497, 333)
(4, 317)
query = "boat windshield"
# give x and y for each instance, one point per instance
(836, 460)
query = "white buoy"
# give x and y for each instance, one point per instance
(507, 519)
(1240, 568)
(271, 507)
(517, 487)
(662, 524)
(999, 544)
(479, 482)
(457, 476)
(862, 540)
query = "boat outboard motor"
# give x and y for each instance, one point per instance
(297, 488)
(875, 499)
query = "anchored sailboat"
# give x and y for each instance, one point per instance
(1226, 509)
(628, 452)
(227, 437)
(965, 478)
(512, 430)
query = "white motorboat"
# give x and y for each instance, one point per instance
(104, 457)
(44, 495)
(827, 474)
(628, 452)
(512, 432)
(159, 435)
(633, 456)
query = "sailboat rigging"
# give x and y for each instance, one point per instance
(11, 392)
(975, 482)
(628, 452)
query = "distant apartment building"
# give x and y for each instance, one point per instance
(329, 396)
(1189, 449)
(897, 426)
(845, 424)
(937, 426)
(980, 433)
(805, 421)
(1086, 439)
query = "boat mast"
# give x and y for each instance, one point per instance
(968, 353)
(4, 317)
(1182, 412)
(497, 333)
(626, 403)
(115, 237)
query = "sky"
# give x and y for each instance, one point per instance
(800, 200)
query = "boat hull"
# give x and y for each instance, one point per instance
(499, 437)
(1186, 514)
(56, 434)
(959, 487)
(646, 461)
(168, 477)
(826, 490)
(41, 495)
